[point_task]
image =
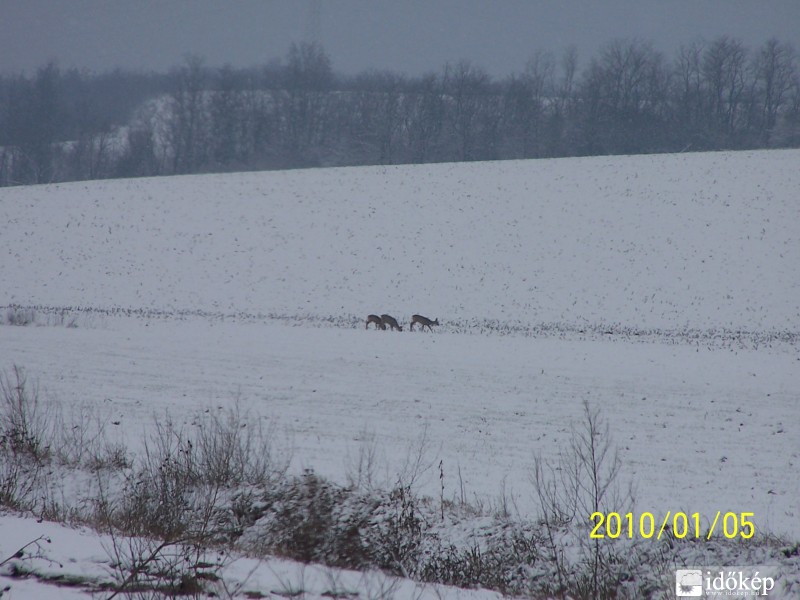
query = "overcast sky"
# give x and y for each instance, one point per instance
(409, 36)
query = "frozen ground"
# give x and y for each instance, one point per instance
(690, 262)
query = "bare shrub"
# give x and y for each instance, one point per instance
(18, 563)
(310, 519)
(109, 456)
(20, 317)
(25, 431)
(82, 442)
(361, 469)
(189, 475)
(418, 460)
(584, 480)
(235, 449)
(151, 568)
(156, 499)
(40, 450)
(400, 530)
(25, 424)
(162, 525)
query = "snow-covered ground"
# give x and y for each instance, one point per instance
(697, 240)
(690, 262)
(698, 429)
(72, 563)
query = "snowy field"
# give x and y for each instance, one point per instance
(691, 240)
(665, 290)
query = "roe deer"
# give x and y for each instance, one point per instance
(391, 322)
(377, 320)
(424, 321)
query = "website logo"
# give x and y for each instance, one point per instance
(689, 583)
(719, 582)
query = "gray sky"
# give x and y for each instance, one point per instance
(410, 36)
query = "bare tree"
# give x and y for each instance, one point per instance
(188, 124)
(564, 108)
(227, 120)
(425, 117)
(304, 104)
(526, 101)
(625, 91)
(774, 76)
(787, 134)
(724, 64)
(33, 119)
(466, 89)
(688, 95)
(378, 116)
(569, 66)
(56, 126)
(140, 157)
(90, 156)
(258, 128)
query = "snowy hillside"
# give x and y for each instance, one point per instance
(662, 290)
(703, 241)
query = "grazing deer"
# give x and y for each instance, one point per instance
(377, 320)
(391, 322)
(424, 321)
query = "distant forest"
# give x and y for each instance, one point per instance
(629, 99)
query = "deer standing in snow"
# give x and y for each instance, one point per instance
(377, 321)
(391, 322)
(423, 321)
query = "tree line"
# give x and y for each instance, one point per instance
(629, 99)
